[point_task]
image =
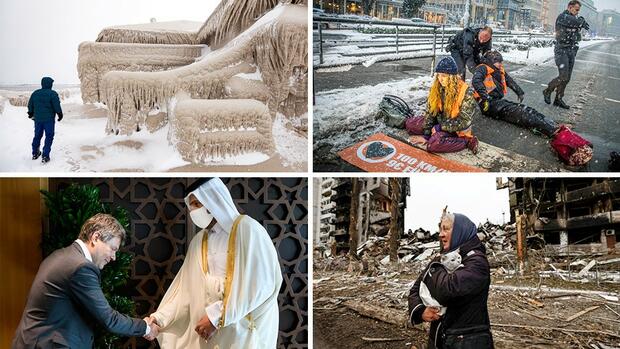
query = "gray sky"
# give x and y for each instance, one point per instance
(607, 5)
(473, 195)
(41, 37)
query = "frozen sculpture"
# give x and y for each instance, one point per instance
(219, 88)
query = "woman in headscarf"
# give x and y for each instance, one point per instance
(450, 110)
(464, 292)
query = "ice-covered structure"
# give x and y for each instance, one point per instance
(218, 86)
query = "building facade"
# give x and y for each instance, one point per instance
(373, 218)
(588, 11)
(570, 215)
(609, 23)
(509, 13)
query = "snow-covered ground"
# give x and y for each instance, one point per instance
(82, 145)
(539, 55)
(340, 112)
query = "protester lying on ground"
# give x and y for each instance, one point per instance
(446, 125)
(464, 291)
(491, 83)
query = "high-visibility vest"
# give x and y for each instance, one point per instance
(489, 82)
(456, 107)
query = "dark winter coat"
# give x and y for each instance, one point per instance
(568, 29)
(477, 81)
(44, 103)
(465, 293)
(466, 43)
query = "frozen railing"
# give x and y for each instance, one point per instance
(395, 42)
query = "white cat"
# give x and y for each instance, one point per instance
(451, 261)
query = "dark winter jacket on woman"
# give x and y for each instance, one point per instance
(466, 322)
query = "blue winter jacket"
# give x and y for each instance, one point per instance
(44, 103)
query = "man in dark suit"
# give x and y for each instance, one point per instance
(66, 299)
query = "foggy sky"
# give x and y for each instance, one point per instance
(607, 4)
(473, 195)
(41, 37)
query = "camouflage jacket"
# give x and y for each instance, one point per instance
(469, 110)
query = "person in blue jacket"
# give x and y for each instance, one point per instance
(43, 106)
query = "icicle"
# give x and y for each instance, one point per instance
(203, 128)
(230, 18)
(137, 36)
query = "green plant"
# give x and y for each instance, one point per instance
(68, 209)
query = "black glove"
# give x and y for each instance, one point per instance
(484, 105)
(59, 116)
(584, 24)
(31, 116)
(520, 97)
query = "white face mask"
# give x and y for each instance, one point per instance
(201, 217)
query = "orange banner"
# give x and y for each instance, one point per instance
(380, 153)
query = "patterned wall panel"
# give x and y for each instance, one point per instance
(161, 233)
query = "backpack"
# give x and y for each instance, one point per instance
(571, 148)
(394, 111)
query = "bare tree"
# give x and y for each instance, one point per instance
(353, 214)
(394, 211)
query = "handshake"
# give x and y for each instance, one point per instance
(154, 332)
(205, 328)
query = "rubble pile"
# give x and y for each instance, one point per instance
(420, 246)
(498, 238)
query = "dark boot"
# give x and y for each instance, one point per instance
(558, 102)
(45, 159)
(36, 156)
(547, 95)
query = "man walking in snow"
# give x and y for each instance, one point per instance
(567, 36)
(43, 106)
(467, 46)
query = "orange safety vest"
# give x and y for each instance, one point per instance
(489, 82)
(456, 107)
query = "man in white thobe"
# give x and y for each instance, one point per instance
(226, 293)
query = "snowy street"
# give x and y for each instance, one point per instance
(592, 93)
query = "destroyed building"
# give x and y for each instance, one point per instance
(570, 216)
(332, 232)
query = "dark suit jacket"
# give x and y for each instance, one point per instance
(66, 302)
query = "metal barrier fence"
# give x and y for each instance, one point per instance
(401, 39)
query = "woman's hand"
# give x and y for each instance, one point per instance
(417, 140)
(431, 314)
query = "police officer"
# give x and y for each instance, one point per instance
(567, 36)
(467, 46)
